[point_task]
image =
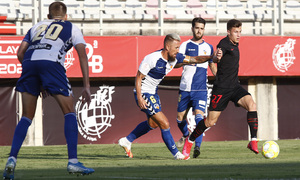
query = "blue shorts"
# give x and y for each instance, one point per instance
(153, 103)
(195, 99)
(51, 76)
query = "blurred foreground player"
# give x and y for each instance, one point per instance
(42, 55)
(227, 88)
(152, 70)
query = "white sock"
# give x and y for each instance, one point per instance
(13, 158)
(74, 160)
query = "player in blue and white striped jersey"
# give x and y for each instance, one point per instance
(193, 84)
(42, 54)
(152, 70)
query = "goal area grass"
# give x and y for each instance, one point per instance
(153, 161)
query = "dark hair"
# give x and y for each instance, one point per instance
(198, 20)
(57, 9)
(233, 23)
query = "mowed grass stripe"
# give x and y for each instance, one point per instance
(218, 160)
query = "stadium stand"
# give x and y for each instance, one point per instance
(8, 12)
(115, 9)
(135, 8)
(152, 8)
(255, 7)
(196, 8)
(292, 8)
(8, 9)
(268, 12)
(45, 6)
(176, 8)
(19, 13)
(91, 9)
(236, 8)
(211, 9)
(25, 9)
(75, 12)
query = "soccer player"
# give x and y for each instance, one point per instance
(227, 88)
(42, 54)
(151, 71)
(193, 87)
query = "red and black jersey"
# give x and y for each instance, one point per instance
(228, 67)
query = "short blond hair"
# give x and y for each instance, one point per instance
(171, 37)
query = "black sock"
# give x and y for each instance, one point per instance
(200, 128)
(253, 123)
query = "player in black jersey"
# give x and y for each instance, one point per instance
(227, 88)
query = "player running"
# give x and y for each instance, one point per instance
(42, 54)
(152, 70)
(227, 88)
(193, 83)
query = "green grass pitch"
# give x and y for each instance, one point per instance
(218, 160)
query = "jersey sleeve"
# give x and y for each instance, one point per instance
(77, 36)
(182, 48)
(222, 46)
(146, 65)
(180, 57)
(28, 36)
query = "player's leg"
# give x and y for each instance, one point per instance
(182, 110)
(141, 129)
(71, 134)
(161, 120)
(199, 116)
(199, 99)
(28, 107)
(182, 125)
(211, 119)
(247, 103)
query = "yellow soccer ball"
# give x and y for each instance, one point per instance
(270, 150)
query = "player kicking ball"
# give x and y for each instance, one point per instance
(227, 88)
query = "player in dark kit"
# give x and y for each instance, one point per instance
(227, 88)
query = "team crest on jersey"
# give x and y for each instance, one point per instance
(93, 120)
(283, 55)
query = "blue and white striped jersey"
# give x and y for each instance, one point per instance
(194, 77)
(155, 67)
(51, 39)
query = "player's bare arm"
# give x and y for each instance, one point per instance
(21, 51)
(213, 68)
(217, 55)
(194, 60)
(86, 93)
(138, 86)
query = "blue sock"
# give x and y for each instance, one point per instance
(198, 140)
(19, 136)
(71, 134)
(140, 130)
(169, 141)
(183, 127)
